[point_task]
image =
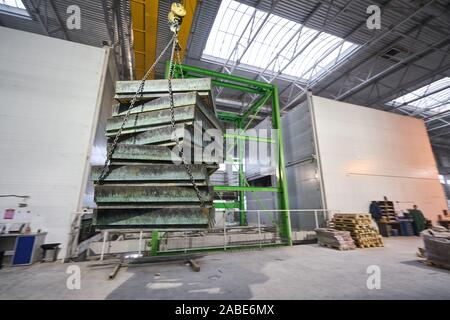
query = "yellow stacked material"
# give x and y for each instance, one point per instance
(361, 228)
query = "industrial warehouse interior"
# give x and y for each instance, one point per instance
(225, 150)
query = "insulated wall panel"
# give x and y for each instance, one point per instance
(51, 93)
(367, 154)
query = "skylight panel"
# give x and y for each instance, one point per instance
(432, 98)
(13, 7)
(277, 45)
(13, 3)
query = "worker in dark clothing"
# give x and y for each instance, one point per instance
(375, 211)
(419, 221)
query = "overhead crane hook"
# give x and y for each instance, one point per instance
(175, 17)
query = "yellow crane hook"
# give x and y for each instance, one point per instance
(175, 17)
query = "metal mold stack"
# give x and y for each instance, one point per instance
(144, 188)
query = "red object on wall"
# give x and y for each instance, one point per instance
(9, 214)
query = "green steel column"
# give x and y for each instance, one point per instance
(282, 183)
(155, 242)
(241, 146)
(166, 70)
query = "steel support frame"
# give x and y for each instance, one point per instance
(267, 91)
(120, 40)
(42, 10)
(404, 65)
(368, 44)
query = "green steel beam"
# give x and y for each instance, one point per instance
(242, 188)
(230, 85)
(241, 151)
(228, 116)
(257, 105)
(223, 76)
(272, 91)
(281, 174)
(222, 248)
(226, 205)
(155, 243)
(251, 138)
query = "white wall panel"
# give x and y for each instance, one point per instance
(50, 99)
(367, 154)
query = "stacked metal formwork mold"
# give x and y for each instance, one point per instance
(147, 186)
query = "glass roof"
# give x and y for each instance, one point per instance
(434, 98)
(281, 45)
(14, 7)
(13, 3)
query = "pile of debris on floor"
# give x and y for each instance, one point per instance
(437, 246)
(336, 239)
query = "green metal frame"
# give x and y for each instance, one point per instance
(269, 93)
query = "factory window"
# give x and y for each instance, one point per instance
(277, 46)
(432, 98)
(14, 8)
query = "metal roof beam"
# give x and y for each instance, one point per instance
(393, 94)
(363, 47)
(310, 15)
(391, 69)
(324, 28)
(441, 115)
(320, 31)
(230, 69)
(224, 67)
(40, 10)
(380, 37)
(421, 97)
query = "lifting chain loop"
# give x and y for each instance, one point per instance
(174, 26)
(176, 48)
(113, 146)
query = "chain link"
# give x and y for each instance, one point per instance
(179, 62)
(172, 119)
(175, 50)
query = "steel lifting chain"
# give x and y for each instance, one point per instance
(174, 26)
(113, 146)
(176, 48)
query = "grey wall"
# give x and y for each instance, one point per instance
(301, 167)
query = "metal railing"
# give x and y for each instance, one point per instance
(262, 230)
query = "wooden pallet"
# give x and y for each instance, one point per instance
(352, 215)
(360, 228)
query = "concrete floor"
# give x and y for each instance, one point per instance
(299, 272)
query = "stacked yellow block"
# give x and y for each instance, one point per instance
(361, 228)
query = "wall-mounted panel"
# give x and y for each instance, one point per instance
(51, 93)
(367, 154)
